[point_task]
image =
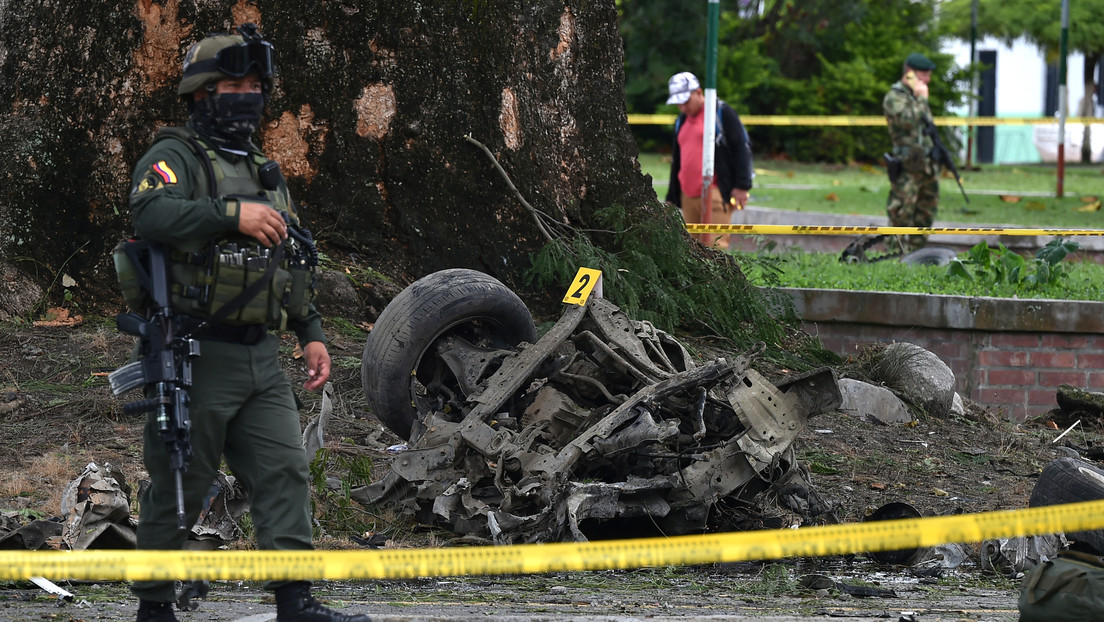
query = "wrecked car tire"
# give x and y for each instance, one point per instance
(436, 340)
(1069, 480)
(929, 256)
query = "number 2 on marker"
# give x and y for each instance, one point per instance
(579, 291)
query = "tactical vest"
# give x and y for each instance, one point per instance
(208, 276)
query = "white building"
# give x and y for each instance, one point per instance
(1020, 78)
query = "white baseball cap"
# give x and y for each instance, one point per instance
(680, 86)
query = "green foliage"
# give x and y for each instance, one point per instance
(775, 580)
(344, 327)
(775, 57)
(1038, 20)
(334, 510)
(652, 273)
(1001, 265)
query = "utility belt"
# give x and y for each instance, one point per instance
(245, 334)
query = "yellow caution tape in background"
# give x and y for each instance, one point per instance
(537, 558)
(856, 121)
(877, 230)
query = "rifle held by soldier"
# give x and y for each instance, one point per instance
(941, 155)
(165, 367)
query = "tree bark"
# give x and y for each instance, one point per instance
(369, 119)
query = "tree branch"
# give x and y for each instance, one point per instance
(498, 167)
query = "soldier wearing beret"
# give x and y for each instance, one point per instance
(914, 191)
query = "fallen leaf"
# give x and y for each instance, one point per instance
(1090, 199)
(939, 492)
(1091, 207)
(1010, 198)
(58, 316)
(297, 353)
(836, 182)
(832, 196)
(1052, 425)
(878, 486)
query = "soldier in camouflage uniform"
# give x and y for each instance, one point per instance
(914, 194)
(208, 186)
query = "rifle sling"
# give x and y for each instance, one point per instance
(256, 287)
(248, 293)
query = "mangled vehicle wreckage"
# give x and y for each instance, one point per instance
(604, 427)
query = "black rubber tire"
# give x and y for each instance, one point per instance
(929, 256)
(459, 302)
(1069, 480)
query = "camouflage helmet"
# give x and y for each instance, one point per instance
(224, 55)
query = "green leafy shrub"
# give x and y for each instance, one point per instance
(1001, 265)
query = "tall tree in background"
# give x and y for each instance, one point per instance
(369, 119)
(1039, 21)
(390, 121)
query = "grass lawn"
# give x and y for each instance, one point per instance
(1016, 196)
(1083, 280)
(1022, 196)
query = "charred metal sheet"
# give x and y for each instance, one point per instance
(605, 427)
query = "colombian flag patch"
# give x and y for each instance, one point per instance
(164, 172)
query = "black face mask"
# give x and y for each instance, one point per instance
(229, 119)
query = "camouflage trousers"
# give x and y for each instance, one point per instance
(913, 202)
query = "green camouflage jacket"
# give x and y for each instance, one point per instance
(905, 114)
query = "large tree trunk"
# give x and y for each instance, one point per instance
(369, 117)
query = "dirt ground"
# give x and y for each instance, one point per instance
(57, 414)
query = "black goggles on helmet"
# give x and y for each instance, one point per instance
(238, 60)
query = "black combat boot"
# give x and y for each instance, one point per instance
(294, 603)
(149, 611)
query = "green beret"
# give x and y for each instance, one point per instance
(919, 62)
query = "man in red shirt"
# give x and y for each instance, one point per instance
(733, 173)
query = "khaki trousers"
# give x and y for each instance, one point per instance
(691, 213)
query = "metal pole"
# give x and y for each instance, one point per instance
(1062, 98)
(710, 120)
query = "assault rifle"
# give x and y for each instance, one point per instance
(166, 363)
(941, 155)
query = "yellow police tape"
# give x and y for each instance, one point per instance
(857, 121)
(873, 229)
(536, 558)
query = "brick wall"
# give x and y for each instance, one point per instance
(1001, 356)
(1015, 373)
